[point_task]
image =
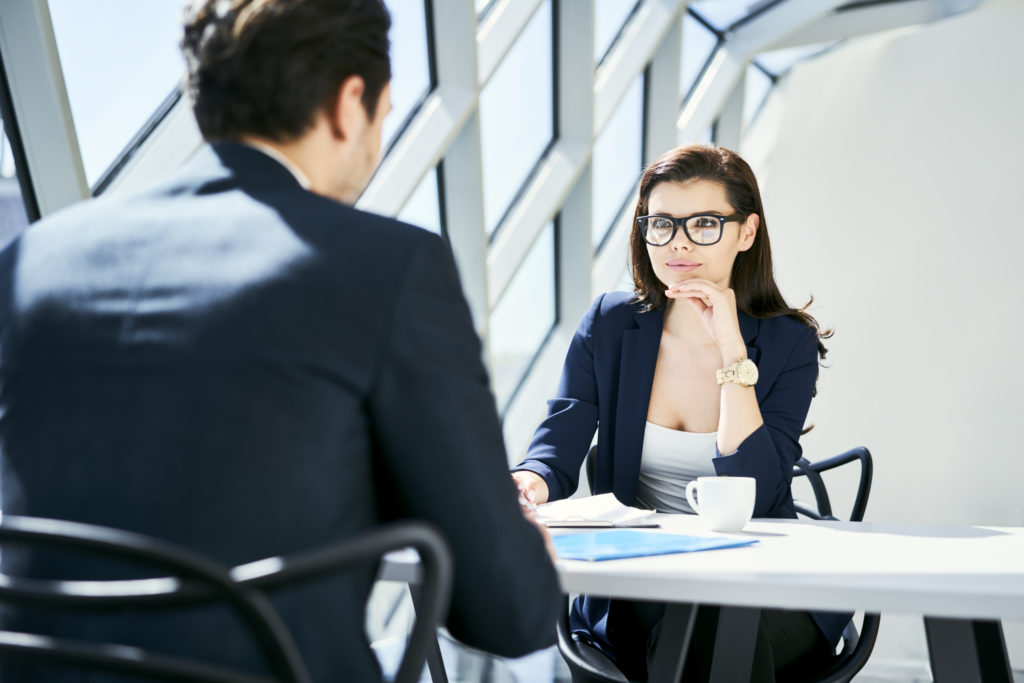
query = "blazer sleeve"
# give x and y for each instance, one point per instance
(769, 453)
(441, 458)
(562, 440)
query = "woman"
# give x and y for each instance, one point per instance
(665, 376)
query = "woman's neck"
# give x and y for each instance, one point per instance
(683, 324)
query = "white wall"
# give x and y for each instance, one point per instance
(892, 171)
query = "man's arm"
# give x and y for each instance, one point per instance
(442, 455)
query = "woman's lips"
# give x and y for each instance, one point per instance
(682, 266)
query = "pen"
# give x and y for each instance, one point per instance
(526, 503)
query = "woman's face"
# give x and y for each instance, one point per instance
(681, 259)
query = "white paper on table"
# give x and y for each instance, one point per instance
(603, 508)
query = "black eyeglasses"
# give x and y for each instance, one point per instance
(701, 228)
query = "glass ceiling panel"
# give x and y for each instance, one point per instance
(120, 60)
(758, 83)
(410, 64)
(516, 116)
(609, 17)
(778, 62)
(724, 13)
(698, 44)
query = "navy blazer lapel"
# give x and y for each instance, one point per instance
(749, 327)
(639, 356)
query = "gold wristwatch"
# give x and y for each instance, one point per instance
(743, 372)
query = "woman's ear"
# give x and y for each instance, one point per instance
(748, 231)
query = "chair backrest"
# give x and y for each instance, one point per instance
(813, 470)
(184, 578)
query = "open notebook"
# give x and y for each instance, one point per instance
(620, 543)
(600, 511)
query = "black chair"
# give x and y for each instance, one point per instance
(184, 578)
(823, 505)
(587, 664)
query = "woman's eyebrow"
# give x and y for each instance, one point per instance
(669, 214)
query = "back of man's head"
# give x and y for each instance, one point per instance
(267, 67)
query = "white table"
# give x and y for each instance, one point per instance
(962, 579)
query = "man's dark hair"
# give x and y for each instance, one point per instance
(267, 67)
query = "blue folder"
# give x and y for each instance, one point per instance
(619, 543)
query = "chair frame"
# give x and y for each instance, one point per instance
(194, 580)
(857, 647)
(804, 468)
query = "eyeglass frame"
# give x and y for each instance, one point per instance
(681, 223)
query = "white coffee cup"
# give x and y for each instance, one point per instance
(723, 503)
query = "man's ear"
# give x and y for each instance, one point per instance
(348, 116)
(748, 231)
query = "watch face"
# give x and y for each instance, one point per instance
(747, 373)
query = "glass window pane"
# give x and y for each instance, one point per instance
(755, 91)
(424, 208)
(617, 160)
(120, 60)
(609, 17)
(523, 317)
(698, 44)
(724, 13)
(13, 219)
(410, 64)
(516, 121)
(625, 282)
(706, 138)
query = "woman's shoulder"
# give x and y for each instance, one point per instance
(610, 311)
(616, 309)
(787, 332)
(784, 325)
(617, 304)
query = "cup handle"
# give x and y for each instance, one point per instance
(691, 488)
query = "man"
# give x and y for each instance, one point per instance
(240, 362)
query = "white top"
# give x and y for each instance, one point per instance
(669, 461)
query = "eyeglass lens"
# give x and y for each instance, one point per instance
(701, 229)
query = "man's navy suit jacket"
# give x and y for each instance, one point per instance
(606, 386)
(249, 369)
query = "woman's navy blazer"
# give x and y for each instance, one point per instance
(606, 385)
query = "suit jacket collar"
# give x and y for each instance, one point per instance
(235, 163)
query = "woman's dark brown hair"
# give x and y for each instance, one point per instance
(753, 278)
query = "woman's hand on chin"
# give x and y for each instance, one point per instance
(716, 307)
